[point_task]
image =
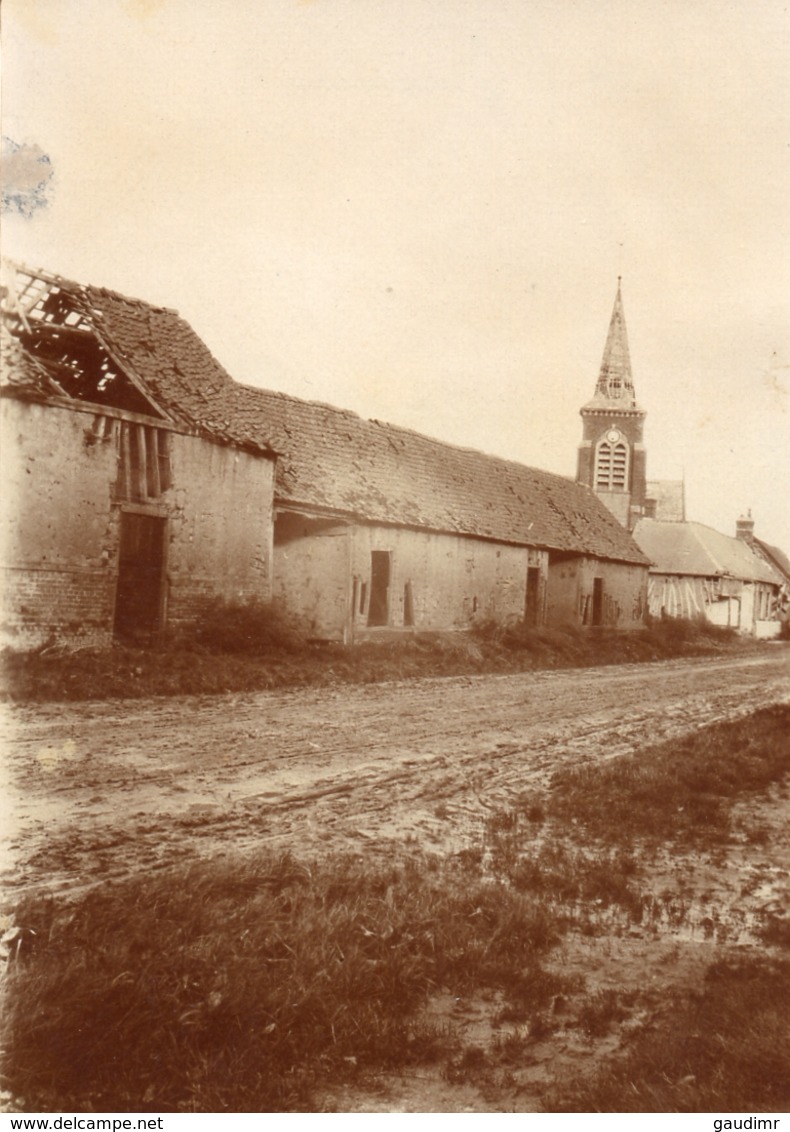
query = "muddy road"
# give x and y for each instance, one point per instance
(98, 790)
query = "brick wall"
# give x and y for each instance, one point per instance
(60, 522)
(42, 605)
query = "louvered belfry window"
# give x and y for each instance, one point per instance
(143, 462)
(611, 466)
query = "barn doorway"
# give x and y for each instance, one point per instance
(532, 598)
(597, 601)
(378, 606)
(141, 561)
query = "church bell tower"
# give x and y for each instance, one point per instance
(611, 454)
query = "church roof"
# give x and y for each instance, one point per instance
(615, 386)
(699, 550)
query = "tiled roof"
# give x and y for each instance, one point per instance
(336, 460)
(695, 549)
(21, 374)
(333, 460)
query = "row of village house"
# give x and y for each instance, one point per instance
(142, 484)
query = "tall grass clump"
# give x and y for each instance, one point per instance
(724, 1049)
(242, 986)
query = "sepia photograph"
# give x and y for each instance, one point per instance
(395, 546)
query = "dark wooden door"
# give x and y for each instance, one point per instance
(532, 600)
(139, 593)
(378, 608)
(597, 602)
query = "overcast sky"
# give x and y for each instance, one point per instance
(418, 209)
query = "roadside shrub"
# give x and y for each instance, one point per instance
(255, 646)
(676, 631)
(250, 628)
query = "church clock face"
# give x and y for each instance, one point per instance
(613, 436)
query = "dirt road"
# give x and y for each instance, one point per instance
(101, 789)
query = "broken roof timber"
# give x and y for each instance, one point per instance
(155, 351)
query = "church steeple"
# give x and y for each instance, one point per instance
(615, 382)
(611, 455)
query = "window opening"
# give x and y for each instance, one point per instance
(597, 601)
(143, 462)
(531, 609)
(611, 466)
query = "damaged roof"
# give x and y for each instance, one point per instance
(99, 346)
(20, 372)
(775, 557)
(329, 459)
(693, 548)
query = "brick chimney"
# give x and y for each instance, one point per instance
(744, 527)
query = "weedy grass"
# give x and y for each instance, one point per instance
(242, 986)
(581, 845)
(776, 930)
(565, 875)
(725, 1049)
(682, 790)
(247, 985)
(255, 648)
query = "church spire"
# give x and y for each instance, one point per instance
(615, 382)
(612, 454)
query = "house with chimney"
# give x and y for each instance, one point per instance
(697, 571)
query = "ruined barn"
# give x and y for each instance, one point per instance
(128, 506)
(144, 483)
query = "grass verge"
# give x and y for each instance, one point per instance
(203, 666)
(681, 791)
(249, 985)
(241, 987)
